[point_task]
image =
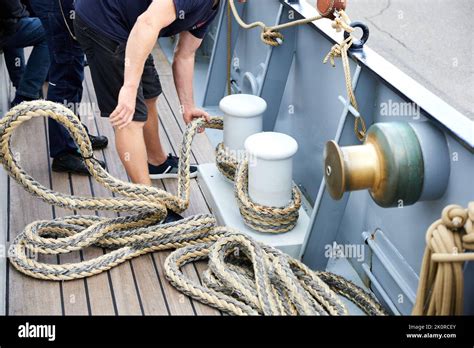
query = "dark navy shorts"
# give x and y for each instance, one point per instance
(106, 60)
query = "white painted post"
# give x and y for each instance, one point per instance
(271, 168)
(243, 117)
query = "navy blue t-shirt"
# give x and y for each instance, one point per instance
(116, 18)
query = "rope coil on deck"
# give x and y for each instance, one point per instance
(441, 286)
(260, 280)
(249, 278)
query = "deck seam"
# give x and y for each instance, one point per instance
(137, 289)
(81, 253)
(157, 272)
(53, 208)
(104, 251)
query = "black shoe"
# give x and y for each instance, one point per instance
(98, 142)
(172, 217)
(71, 163)
(169, 169)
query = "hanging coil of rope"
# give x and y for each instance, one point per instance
(272, 283)
(448, 240)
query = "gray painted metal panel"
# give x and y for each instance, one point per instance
(310, 110)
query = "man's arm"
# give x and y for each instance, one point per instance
(183, 72)
(141, 41)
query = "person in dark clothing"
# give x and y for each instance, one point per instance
(18, 30)
(66, 74)
(118, 37)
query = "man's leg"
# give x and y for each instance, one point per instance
(65, 75)
(154, 149)
(30, 32)
(15, 61)
(131, 148)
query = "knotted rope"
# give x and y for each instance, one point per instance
(441, 286)
(262, 218)
(341, 22)
(272, 36)
(280, 284)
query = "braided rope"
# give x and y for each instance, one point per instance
(248, 278)
(262, 218)
(441, 286)
(226, 162)
(130, 236)
(258, 217)
(244, 277)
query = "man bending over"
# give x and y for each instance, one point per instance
(118, 37)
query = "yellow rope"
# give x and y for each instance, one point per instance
(441, 286)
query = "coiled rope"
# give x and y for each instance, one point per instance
(244, 277)
(248, 278)
(258, 217)
(441, 286)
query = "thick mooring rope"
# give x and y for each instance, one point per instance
(244, 277)
(258, 217)
(248, 278)
(441, 286)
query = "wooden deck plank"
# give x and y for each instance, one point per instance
(202, 149)
(74, 292)
(197, 204)
(99, 287)
(148, 283)
(29, 296)
(125, 292)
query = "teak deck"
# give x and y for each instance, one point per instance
(137, 287)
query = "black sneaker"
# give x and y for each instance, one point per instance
(98, 142)
(71, 163)
(169, 169)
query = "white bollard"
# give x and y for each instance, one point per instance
(243, 117)
(271, 168)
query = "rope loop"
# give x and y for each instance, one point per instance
(272, 38)
(454, 216)
(440, 290)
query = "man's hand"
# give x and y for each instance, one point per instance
(192, 113)
(123, 113)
